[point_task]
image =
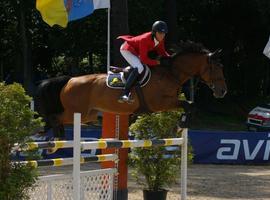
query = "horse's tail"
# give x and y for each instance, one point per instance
(47, 100)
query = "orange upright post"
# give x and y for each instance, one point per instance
(116, 126)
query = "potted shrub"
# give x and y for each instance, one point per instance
(158, 167)
(17, 123)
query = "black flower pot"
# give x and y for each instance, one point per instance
(154, 195)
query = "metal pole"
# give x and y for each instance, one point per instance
(184, 156)
(76, 156)
(32, 105)
(191, 90)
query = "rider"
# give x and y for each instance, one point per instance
(135, 50)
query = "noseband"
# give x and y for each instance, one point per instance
(210, 69)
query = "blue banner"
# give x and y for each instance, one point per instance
(224, 147)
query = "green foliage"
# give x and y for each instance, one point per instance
(16, 183)
(17, 123)
(16, 118)
(159, 170)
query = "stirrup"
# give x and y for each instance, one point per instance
(126, 99)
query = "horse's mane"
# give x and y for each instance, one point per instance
(187, 47)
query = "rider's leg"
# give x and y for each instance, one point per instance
(126, 97)
(133, 60)
(135, 63)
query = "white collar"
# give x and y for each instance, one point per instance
(156, 42)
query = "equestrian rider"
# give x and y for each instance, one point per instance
(135, 50)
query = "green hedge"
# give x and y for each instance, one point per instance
(17, 123)
(159, 171)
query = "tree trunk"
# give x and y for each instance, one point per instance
(4, 160)
(119, 26)
(171, 19)
(1, 71)
(74, 67)
(27, 66)
(90, 61)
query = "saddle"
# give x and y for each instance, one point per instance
(116, 77)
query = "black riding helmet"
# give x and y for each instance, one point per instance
(159, 26)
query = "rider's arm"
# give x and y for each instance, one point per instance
(144, 53)
(161, 50)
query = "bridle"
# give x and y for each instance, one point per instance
(210, 69)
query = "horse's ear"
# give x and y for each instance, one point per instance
(216, 53)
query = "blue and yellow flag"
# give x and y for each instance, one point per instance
(63, 11)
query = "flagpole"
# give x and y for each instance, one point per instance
(108, 39)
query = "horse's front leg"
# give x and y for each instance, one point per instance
(186, 117)
(189, 107)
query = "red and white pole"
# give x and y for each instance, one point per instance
(116, 126)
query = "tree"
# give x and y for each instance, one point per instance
(17, 124)
(171, 19)
(119, 26)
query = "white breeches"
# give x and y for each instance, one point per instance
(133, 60)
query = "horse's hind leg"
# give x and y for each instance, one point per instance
(57, 127)
(58, 131)
(93, 116)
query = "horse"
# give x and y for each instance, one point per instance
(60, 97)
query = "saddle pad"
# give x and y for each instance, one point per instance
(118, 81)
(115, 80)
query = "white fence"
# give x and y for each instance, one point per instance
(95, 185)
(98, 184)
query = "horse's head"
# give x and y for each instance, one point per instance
(193, 59)
(212, 74)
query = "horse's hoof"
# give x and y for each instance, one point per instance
(51, 150)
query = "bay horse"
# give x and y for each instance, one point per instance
(59, 98)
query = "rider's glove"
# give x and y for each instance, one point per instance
(153, 55)
(166, 61)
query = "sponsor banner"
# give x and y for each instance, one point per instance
(224, 147)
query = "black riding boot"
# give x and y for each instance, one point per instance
(132, 78)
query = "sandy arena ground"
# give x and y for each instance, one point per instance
(210, 182)
(220, 182)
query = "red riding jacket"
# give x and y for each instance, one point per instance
(140, 46)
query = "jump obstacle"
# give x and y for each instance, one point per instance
(79, 184)
(69, 161)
